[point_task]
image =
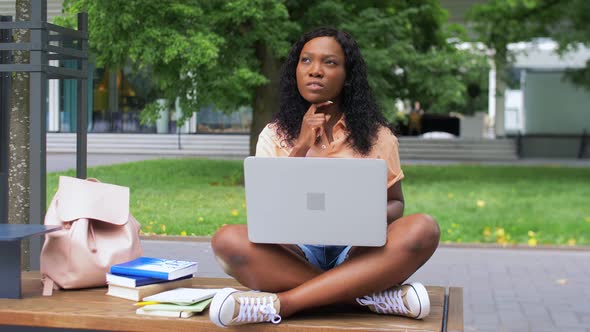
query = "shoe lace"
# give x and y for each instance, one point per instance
(257, 309)
(388, 302)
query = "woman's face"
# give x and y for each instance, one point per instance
(321, 70)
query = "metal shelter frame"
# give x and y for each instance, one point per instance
(47, 42)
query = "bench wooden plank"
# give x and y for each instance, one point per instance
(455, 310)
(92, 309)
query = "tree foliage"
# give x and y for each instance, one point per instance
(500, 22)
(410, 57)
(218, 52)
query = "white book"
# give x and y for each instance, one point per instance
(183, 296)
(131, 281)
(138, 293)
(164, 313)
(195, 307)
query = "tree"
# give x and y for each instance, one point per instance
(229, 53)
(19, 144)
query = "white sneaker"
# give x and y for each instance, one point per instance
(410, 300)
(231, 307)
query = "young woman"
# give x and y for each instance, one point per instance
(327, 110)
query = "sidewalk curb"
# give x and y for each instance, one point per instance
(442, 245)
(175, 238)
(514, 247)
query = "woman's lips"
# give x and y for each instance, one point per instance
(314, 86)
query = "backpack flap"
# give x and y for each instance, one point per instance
(92, 200)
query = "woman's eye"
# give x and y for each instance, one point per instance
(330, 62)
(305, 60)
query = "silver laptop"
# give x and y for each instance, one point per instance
(329, 201)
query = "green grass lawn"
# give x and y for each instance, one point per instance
(490, 204)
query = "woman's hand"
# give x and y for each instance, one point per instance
(312, 128)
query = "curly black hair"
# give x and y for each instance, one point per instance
(362, 115)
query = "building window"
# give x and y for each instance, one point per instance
(118, 97)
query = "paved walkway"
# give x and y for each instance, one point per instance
(57, 162)
(504, 289)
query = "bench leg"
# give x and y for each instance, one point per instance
(10, 282)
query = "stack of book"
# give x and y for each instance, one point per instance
(145, 276)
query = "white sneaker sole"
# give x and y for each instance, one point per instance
(422, 298)
(217, 303)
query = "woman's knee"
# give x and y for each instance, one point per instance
(227, 243)
(430, 229)
(228, 239)
(421, 233)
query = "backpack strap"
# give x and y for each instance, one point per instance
(48, 285)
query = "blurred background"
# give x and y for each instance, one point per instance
(510, 71)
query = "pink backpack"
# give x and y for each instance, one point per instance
(97, 232)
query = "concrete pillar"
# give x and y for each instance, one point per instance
(53, 123)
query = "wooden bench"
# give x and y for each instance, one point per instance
(92, 309)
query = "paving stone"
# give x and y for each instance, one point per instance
(475, 302)
(508, 303)
(488, 328)
(482, 297)
(510, 311)
(503, 290)
(482, 287)
(540, 321)
(515, 328)
(463, 280)
(509, 308)
(532, 308)
(470, 328)
(517, 270)
(571, 327)
(564, 318)
(561, 296)
(580, 307)
(585, 319)
(529, 298)
(519, 319)
(543, 329)
(484, 308)
(482, 319)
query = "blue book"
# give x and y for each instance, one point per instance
(134, 281)
(157, 268)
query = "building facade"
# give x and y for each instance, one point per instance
(549, 112)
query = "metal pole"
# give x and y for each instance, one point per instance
(582, 144)
(178, 132)
(38, 127)
(81, 133)
(5, 58)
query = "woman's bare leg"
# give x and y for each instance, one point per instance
(411, 240)
(268, 267)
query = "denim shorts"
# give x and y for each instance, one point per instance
(325, 257)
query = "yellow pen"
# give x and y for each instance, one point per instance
(141, 304)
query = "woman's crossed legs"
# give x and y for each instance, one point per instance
(282, 269)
